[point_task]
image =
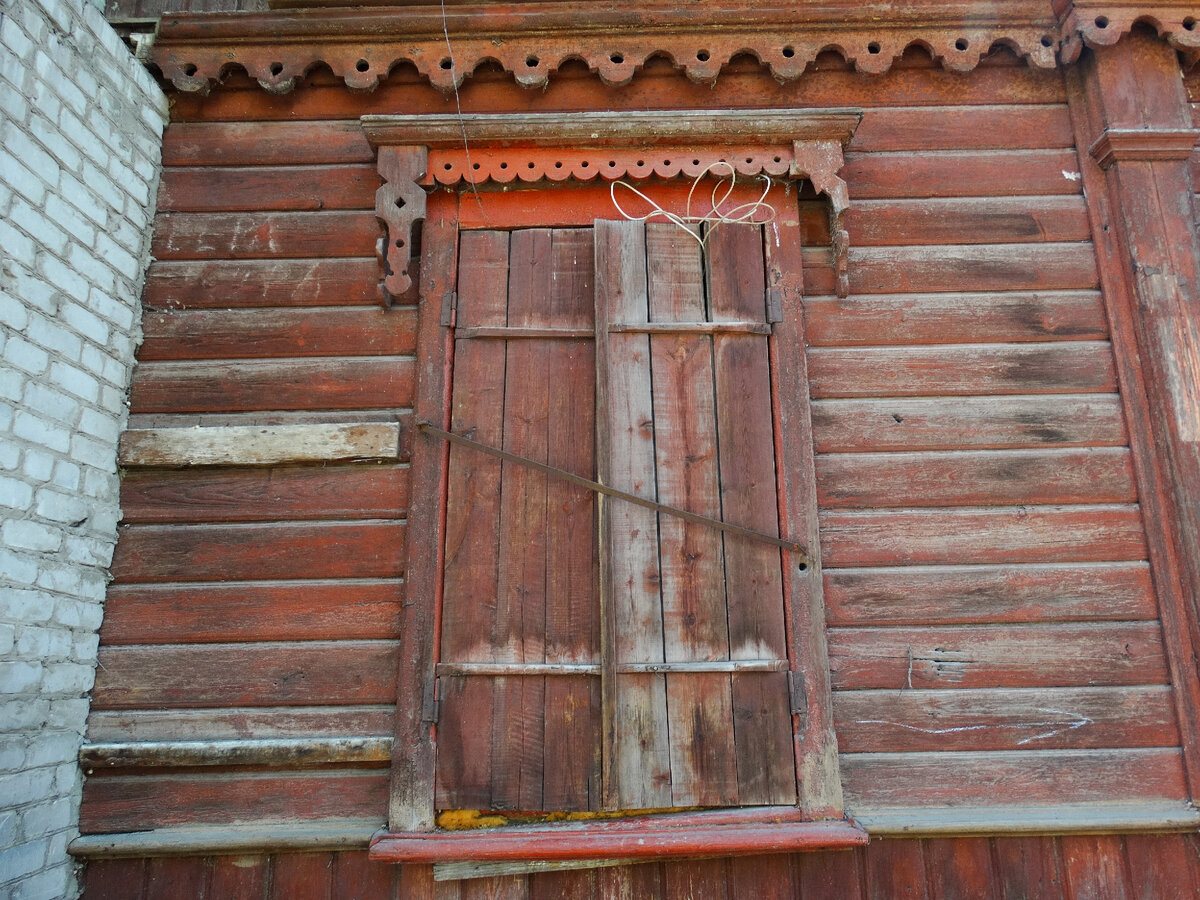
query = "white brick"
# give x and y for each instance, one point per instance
(16, 174)
(68, 678)
(39, 465)
(23, 858)
(59, 578)
(26, 606)
(12, 386)
(12, 759)
(99, 182)
(36, 292)
(35, 224)
(77, 100)
(50, 137)
(38, 430)
(66, 474)
(118, 257)
(83, 199)
(17, 567)
(35, 158)
(18, 677)
(120, 314)
(100, 425)
(45, 818)
(15, 494)
(88, 551)
(7, 633)
(91, 267)
(49, 402)
(86, 646)
(59, 507)
(16, 243)
(26, 356)
(75, 380)
(69, 713)
(91, 452)
(53, 882)
(13, 103)
(13, 38)
(22, 534)
(71, 220)
(12, 312)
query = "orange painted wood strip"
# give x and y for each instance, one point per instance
(251, 611)
(282, 674)
(1063, 655)
(147, 553)
(314, 383)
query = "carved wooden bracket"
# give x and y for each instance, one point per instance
(1096, 23)
(418, 151)
(399, 203)
(1143, 144)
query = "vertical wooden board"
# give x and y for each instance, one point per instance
(960, 868)
(464, 758)
(1095, 867)
(641, 882)
(244, 877)
(749, 497)
(1163, 866)
(1027, 867)
(302, 876)
(578, 885)
(115, 879)
(416, 883)
(762, 877)
(520, 628)
(176, 876)
(355, 877)
(572, 778)
(693, 878)
(830, 874)
(636, 758)
(473, 491)
(695, 619)
(896, 869)
(509, 887)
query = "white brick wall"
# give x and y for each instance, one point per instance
(80, 131)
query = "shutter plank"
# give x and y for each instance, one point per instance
(636, 760)
(695, 618)
(572, 777)
(766, 772)
(520, 634)
(464, 770)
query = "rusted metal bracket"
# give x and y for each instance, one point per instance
(791, 546)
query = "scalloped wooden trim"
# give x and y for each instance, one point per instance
(361, 45)
(556, 146)
(1102, 24)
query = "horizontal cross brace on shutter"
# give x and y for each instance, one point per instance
(509, 332)
(649, 668)
(791, 546)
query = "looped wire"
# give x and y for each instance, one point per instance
(740, 214)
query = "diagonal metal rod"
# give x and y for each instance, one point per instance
(599, 488)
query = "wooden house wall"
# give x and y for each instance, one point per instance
(993, 630)
(1082, 867)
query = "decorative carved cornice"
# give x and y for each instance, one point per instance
(531, 40)
(1143, 144)
(1097, 23)
(417, 151)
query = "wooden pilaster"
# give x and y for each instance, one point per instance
(1134, 133)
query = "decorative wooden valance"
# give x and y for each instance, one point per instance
(1096, 23)
(531, 40)
(420, 151)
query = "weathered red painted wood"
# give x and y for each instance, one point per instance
(1095, 867)
(895, 869)
(965, 174)
(983, 536)
(903, 270)
(960, 869)
(999, 719)
(305, 876)
(256, 283)
(1037, 777)
(276, 235)
(697, 878)
(253, 551)
(355, 876)
(240, 876)
(855, 425)
(136, 803)
(225, 724)
(116, 879)
(1163, 866)
(251, 611)
(955, 318)
(1068, 367)
(1028, 867)
(627, 882)
(964, 128)
(264, 494)
(326, 383)
(975, 478)
(266, 333)
(261, 144)
(213, 189)
(946, 595)
(990, 656)
(1001, 220)
(766, 877)
(830, 874)
(268, 674)
(577, 885)
(168, 876)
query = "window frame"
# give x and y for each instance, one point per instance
(425, 151)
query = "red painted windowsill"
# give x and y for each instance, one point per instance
(718, 833)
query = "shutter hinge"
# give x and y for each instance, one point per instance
(431, 706)
(774, 305)
(449, 308)
(799, 696)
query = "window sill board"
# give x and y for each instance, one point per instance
(720, 833)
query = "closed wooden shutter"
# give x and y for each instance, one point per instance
(687, 633)
(685, 419)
